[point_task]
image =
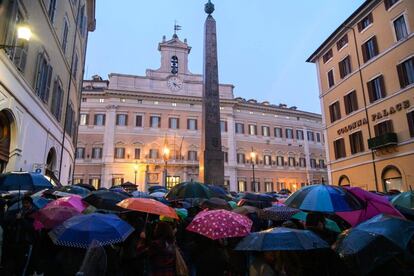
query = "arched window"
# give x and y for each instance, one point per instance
(392, 179)
(174, 65)
(5, 124)
(344, 181)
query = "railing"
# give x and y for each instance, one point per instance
(385, 140)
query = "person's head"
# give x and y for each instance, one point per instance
(315, 220)
(27, 202)
(164, 231)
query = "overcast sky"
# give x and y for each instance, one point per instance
(262, 44)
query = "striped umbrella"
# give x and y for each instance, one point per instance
(324, 198)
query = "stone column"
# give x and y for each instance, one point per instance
(109, 145)
(232, 153)
(307, 155)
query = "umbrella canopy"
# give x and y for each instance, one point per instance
(220, 192)
(215, 203)
(80, 231)
(324, 198)
(182, 213)
(282, 239)
(373, 205)
(14, 181)
(158, 194)
(148, 205)
(73, 201)
(259, 197)
(53, 215)
(105, 200)
(277, 213)
(218, 224)
(120, 190)
(77, 190)
(329, 224)
(374, 241)
(405, 200)
(189, 190)
(38, 201)
(139, 194)
(157, 188)
(244, 210)
(86, 186)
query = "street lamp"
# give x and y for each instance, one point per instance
(23, 33)
(166, 154)
(253, 159)
(135, 172)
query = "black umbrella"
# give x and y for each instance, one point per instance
(105, 200)
(277, 213)
(189, 190)
(86, 186)
(157, 188)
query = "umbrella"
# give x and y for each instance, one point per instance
(189, 190)
(80, 231)
(373, 205)
(244, 210)
(77, 190)
(282, 239)
(53, 215)
(218, 224)
(73, 201)
(14, 181)
(258, 197)
(120, 190)
(324, 198)
(219, 191)
(215, 203)
(329, 224)
(277, 213)
(182, 213)
(158, 194)
(86, 186)
(232, 204)
(148, 205)
(139, 194)
(374, 242)
(38, 201)
(157, 188)
(405, 200)
(105, 200)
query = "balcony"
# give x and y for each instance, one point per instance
(385, 140)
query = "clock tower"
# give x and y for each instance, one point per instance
(174, 56)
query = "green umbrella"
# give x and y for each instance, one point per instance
(405, 200)
(329, 224)
(189, 190)
(232, 204)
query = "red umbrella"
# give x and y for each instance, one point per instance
(218, 224)
(73, 201)
(51, 216)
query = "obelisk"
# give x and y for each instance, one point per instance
(212, 156)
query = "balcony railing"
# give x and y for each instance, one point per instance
(385, 140)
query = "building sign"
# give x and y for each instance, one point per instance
(352, 126)
(391, 110)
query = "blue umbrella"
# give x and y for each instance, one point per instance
(324, 198)
(80, 231)
(282, 239)
(14, 181)
(38, 201)
(77, 190)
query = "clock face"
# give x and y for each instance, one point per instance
(175, 83)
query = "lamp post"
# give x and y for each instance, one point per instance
(135, 172)
(253, 159)
(166, 153)
(23, 33)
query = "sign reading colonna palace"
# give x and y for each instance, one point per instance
(127, 122)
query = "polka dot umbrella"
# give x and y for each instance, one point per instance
(219, 224)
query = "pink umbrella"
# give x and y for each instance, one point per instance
(218, 224)
(374, 205)
(53, 215)
(73, 201)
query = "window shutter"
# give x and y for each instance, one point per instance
(410, 118)
(196, 127)
(103, 120)
(359, 26)
(159, 121)
(387, 4)
(87, 119)
(370, 91)
(382, 84)
(169, 122)
(126, 120)
(401, 75)
(38, 73)
(225, 126)
(48, 82)
(364, 52)
(374, 41)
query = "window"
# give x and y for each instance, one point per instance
(240, 128)
(410, 119)
(390, 3)
(192, 155)
(292, 162)
(365, 22)
(223, 126)
(252, 129)
(82, 20)
(406, 72)
(70, 120)
(278, 132)
(80, 153)
(121, 119)
(43, 78)
(192, 124)
(318, 137)
(289, 133)
(383, 128)
(174, 123)
(267, 160)
(299, 134)
(312, 163)
(51, 10)
(331, 80)
(255, 186)
(17, 54)
(311, 136)
(280, 161)
(174, 65)
(138, 120)
(376, 89)
(357, 142)
(226, 157)
(119, 153)
(84, 100)
(302, 162)
(241, 158)
(339, 148)
(57, 100)
(321, 163)
(268, 187)
(101, 100)
(342, 42)
(75, 67)
(155, 121)
(369, 49)
(153, 153)
(84, 119)
(137, 153)
(335, 111)
(65, 35)
(351, 102)
(265, 131)
(95, 182)
(96, 153)
(327, 56)
(345, 67)
(241, 185)
(99, 119)
(117, 181)
(400, 28)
